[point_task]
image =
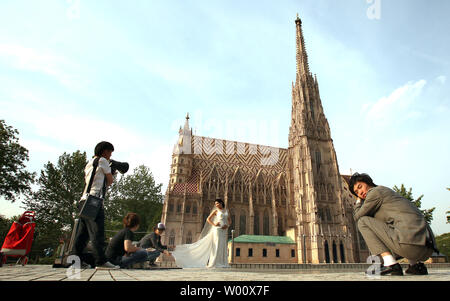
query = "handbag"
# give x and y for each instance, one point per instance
(92, 204)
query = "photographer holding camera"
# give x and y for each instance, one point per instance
(91, 225)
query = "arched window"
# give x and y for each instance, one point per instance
(280, 226)
(214, 183)
(329, 218)
(330, 191)
(242, 223)
(266, 229)
(341, 247)
(245, 193)
(327, 252)
(335, 258)
(311, 107)
(233, 221)
(318, 159)
(237, 187)
(189, 238)
(172, 238)
(256, 223)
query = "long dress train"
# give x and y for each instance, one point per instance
(209, 251)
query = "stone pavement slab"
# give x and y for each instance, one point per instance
(47, 273)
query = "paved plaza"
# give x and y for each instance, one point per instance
(48, 273)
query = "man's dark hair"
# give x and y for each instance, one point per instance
(221, 202)
(102, 146)
(357, 177)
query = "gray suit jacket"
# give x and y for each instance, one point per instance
(400, 214)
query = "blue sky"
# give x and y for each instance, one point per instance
(76, 72)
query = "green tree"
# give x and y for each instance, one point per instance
(443, 244)
(427, 213)
(60, 186)
(136, 192)
(14, 179)
(448, 212)
(5, 225)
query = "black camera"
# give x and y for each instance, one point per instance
(122, 167)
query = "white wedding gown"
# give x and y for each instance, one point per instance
(209, 251)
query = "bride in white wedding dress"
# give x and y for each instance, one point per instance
(211, 250)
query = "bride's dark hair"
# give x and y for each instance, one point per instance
(221, 202)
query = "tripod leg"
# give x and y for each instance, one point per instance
(67, 252)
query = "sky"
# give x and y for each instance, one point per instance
(76, 72)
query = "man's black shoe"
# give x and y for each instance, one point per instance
(417, 269)
(393, 270)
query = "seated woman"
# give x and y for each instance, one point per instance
(120, 250)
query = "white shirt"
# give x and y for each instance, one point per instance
(103, 168)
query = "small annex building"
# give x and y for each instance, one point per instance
(262, 249)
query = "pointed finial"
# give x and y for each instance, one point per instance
(187, 115)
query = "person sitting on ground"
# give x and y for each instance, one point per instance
(392, 226)
(152, 242)
(120, 250)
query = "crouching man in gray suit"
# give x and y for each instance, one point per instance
(392, 226)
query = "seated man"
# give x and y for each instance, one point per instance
(391, 226)
(153, 241)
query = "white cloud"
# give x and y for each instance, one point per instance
(442, 79)
(42, 61)
(48, 131)
(396, 105)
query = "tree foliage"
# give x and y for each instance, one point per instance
(443, 244)
(136, 192)
(14, 179)
(60, 186)
(5, 225)
(427, 213)
(448, 212)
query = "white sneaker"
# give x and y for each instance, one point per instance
(108, 265)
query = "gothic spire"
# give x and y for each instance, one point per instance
(186, 123)
(302, 57)
(183, 146)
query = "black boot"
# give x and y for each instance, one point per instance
(393, 270)
(417, 269)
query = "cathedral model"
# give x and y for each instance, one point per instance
(296, 191)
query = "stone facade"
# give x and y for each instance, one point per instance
(269, 190)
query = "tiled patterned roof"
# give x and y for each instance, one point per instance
(229, 156)
(191, 185)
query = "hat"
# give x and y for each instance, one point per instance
(161, 226)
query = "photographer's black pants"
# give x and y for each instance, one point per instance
(93, 230)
